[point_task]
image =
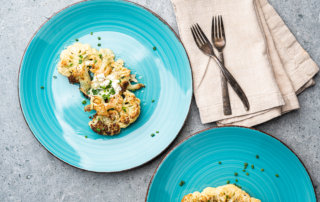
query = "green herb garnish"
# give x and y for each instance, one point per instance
(98, 129)
(243, 170)
(152, 135)
(154, 48)
(84, 102)
(100, 56)
(153, 101)
(42, 87)
(277, 175)
(228, 182)
(54, 77)
(77, 39)
(247, 174)
(181, 183)
(95, 61)
(104, 96)
(262, 169)
(157, 131)
(112, 91)
(252, 166)
(257, 156)
(91, 33)
(94, 92)
(124, 109)
(99, 44)
(99, 38)
(70, 64)
(220, 162)
(86, 136)
(237, 180)
(80, 56)
(80, 61)
(235, 174)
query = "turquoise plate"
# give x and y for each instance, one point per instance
(196, 162)
(55, 114)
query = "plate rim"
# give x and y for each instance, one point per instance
(227, 126)
(142, 7)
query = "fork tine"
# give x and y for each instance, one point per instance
(212, 30)
(203, 36)
(195, 37)
(222, 28)
(215, 27)
(219, 27)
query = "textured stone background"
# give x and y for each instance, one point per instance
(29, 173)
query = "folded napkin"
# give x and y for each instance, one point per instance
(261, 53)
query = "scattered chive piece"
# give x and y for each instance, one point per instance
(95, 61)
(70, 64)
(54, 77)
(98, 129)
(152, 135)
(84, 102)
(112, 91)
(77, 39)
(104, 96)
(262, 169)
(80, 56)
(235, 174)
(80, 61)
(86, 136)
(99, 38)
(157, 131)
(243, 170)
(220, 162)
(124, 109)
(257, 156)
(153, 101)
(99, 44)
(42, 87)
(91, 33)
(237, 180)
(154, 48)
(252, 166)
(228, 182)
(247, 174)
(246, 164)
(181, 183)
(100, 56)
(277, 175)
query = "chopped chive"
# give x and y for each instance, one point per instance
(98, 129)
(100, 56)
(80, 61)
(220, 162)
(154, 48)
(228, 182)
(257, 156)
(104, 96)
(54, 77)
(247, 174)
(91, 33)
(153, 101)
(42, 87)
(86, 136)
(157, 131)
(99, 44)
(237, 180)
(277, 175)
(181, 183)
(99, 38)
(262, 169)
(84, 102)
(80, 56)
(235, 174)
(252, 166)
(243, 170)
(112, 91)
(95, 61)
(124, 109)
(152, 135)
(77, 39)
(70, 64)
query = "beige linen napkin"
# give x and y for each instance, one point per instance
(261, 53)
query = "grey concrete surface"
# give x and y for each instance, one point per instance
(29, 173)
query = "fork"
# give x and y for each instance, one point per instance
(219, 41)
(206, 47)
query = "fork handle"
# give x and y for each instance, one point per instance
(225, 92)
(234, 84)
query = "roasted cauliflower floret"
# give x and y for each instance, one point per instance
(230, 193)
(116, 107)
